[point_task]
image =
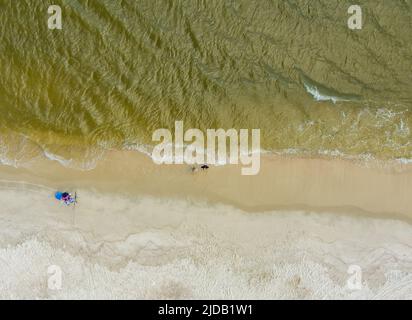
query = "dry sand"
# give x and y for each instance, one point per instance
(147, 231)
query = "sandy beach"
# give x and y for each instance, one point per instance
(371, 187)
(142, 230)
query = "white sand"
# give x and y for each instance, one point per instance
(113, 246)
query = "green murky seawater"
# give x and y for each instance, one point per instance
(120, 69)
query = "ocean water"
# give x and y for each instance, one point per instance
(118, 70)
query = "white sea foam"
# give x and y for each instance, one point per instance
(404, 161)
(88, 162)
(89, 159)
(53, 157)
(362, 158)
(315, 92)
(147, 150)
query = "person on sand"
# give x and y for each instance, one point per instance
(203, 167)
(65, 197)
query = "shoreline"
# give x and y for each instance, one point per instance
(374, 188)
